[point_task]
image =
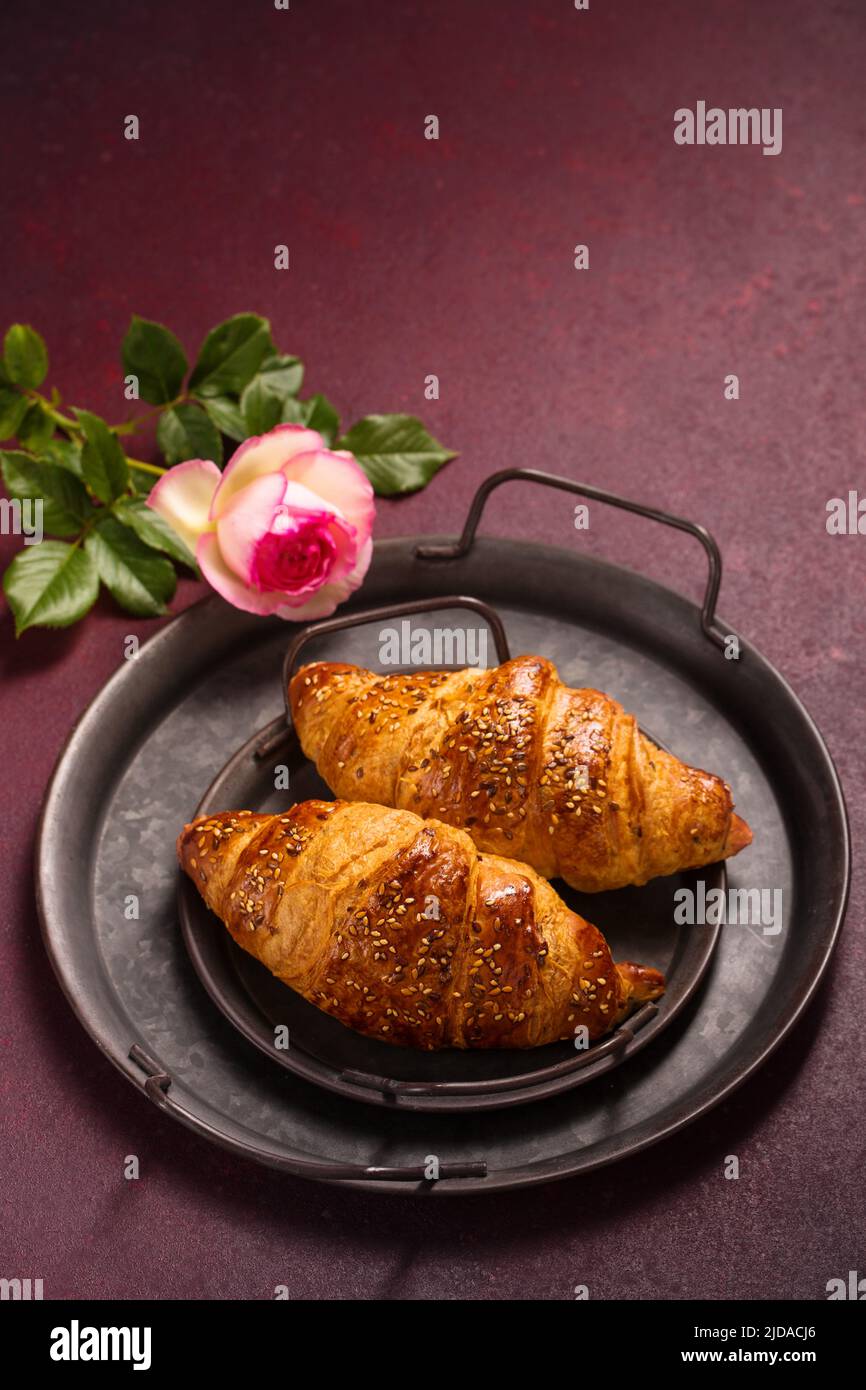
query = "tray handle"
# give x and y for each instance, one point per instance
(284, 733)
(456, 549)
(394, 610)
(156, 1087)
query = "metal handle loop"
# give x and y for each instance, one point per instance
(157, 1086)
(457, 549)
(393, 610)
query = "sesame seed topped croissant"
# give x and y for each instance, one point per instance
(561, 779)
(400, 929)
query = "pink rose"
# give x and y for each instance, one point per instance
(284, 529)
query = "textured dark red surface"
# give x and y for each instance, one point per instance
(409, 257)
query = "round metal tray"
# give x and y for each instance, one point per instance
(134, 768)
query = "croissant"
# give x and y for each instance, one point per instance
(561, 779)
(400, 929)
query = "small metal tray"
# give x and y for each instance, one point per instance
(133, 770)
(324, 1052)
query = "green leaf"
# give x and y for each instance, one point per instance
(65, 504)
(396, 453)
(50, 585)
(35, 429)
(25, 356)
(317, 414)
(267, 395)
(142, 479)
(140, 580)
(185, 432)
(103, 462)
(283, 374)
(231, 355)
(153, 354)
(226, 415)
(261, 408)
(64, 452)
(153, 529)
(13, 408)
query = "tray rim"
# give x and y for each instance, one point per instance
(573, 1163)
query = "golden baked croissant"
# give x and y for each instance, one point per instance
(400, 929)
(561, 779)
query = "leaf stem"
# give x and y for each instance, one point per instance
(84, 533)
(130, 426)
(71, 426)
(126, 427)
(147, 467)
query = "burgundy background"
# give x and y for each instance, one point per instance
(408, 257)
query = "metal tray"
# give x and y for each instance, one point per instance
(133, 771)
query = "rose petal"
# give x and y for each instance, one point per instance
(282, 558)
(249, 516)
(265, 453)
(326, 599)
(227, 583)
(320, 605)
(340, 481)
(305, 499)
(362, 564)
(183, 498)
